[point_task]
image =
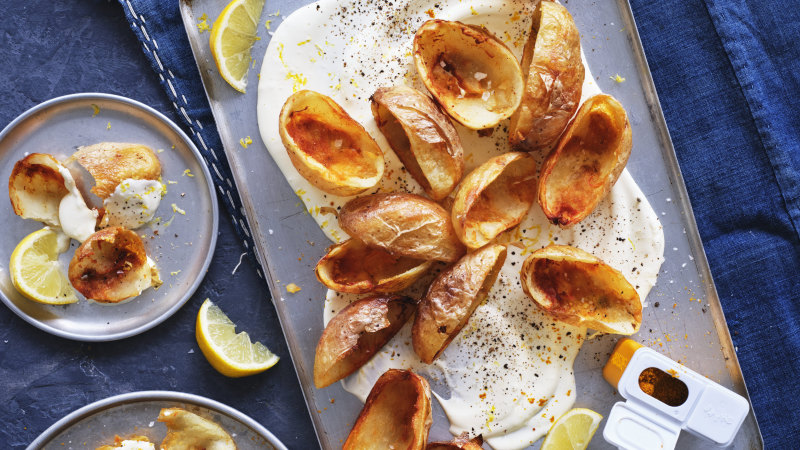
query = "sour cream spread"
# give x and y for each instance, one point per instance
(508, 374)
(133, 203)
(135, 445)
(77, 220)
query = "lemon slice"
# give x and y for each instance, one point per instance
(36, 272)
(573, 430)
(232, 37)
(232, 354)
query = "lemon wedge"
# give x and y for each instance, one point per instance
(573, 430)
(231, 353)
(36, 272)
(232, 36)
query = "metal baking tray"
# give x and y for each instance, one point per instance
(135, 413)
(683, 318)
(182, 247)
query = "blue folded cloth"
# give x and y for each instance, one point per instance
(726, 73)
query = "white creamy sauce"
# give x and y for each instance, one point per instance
(77, 220)
(136, 445)
(508, 374)
(133, 203)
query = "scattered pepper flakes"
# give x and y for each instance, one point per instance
(95, 110)
(188, 173)
(618, 78)
(178, 210)
(203, 24)
(292, 288)
(244, 142)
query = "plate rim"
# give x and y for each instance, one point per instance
(142, 396)
(192, 288)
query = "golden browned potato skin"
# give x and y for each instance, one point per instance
(469, 72)
(328, 147)
(36, 188)
(109, 265)
(356, 333)
(422, 137)
(461, 442)
(397, 414)
(189, 431)
(554, 73)
(587, 162)
(494, 197)
(403, 224)
(355, 268)
(577, 288)
(452, 298)
(111, 163)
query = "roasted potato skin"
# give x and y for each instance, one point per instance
(330, 149)
(460, 442)
(452, 298)
(111, 163)
(577, 288)
(36, 188)
(397, 414)
(554, 74)
(494, 197)
(422, 136)
(402, 224)
(457, 62)
(587, 162)
(355, 268)
(356, 333)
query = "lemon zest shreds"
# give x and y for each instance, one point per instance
(618, 78)
(292, 288)
(244, 142)
(108, 126)
(95, 110)
(268, 24)
(188, 173)
(304, 42)
(178, 210)
(472, 11)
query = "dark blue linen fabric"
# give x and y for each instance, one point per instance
(726, 72)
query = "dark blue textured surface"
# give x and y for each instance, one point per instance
(55, 48)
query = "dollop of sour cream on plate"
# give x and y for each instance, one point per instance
(133, 203)
(77, 220)
(508, 374)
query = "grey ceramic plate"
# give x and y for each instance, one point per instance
(182, 249)
(135, 414)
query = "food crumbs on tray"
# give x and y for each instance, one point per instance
(161, 150)
(178, 210)
(203, 24)
(617, 78)
(276, 13)
(95, 110)
(292, 288)
(188, 173)
(244, 142)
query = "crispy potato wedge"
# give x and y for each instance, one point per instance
(470, 72)
(188, 431)
(356, 333)
(461, 442)
(111, 266)
(402, 224)
(554, 73)
(577, 288)
(589, 158)
(452, 298)
(355, 268)
(422, 137)
(397, 414)
(36, 188)
(328, 147)
(110, 163)
(494, 197)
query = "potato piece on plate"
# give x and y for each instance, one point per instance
(328, 147)
(36, 188)
(355, 268)
(470, 72)
(111, 163)
(356, 333)
(397, 414)
(494, 197)
(402, 224)
(452, 298)
(554, 75)
(587, 162)
(187, 430)
(422, 137)
(111, 266)
(461, 442)
(577, 288)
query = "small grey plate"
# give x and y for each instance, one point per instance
(135, 413)
(181, 248)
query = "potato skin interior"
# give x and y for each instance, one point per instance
(36, 188)
(397, 414)
(356, 333)
(587, 162)
(577, 288)
(461, 442)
